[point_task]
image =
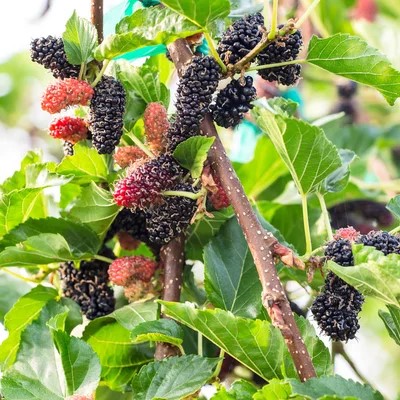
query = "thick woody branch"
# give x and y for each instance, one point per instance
(172, 260)
(96, 9)
(262, 244)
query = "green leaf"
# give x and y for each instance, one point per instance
(319, 353)
(79, 237)
(254, 343)
(17, 180)
(282, 106)
(80, 39)
(200, 233)
(352, 58)
(142, 82)
(162, 330)
(391, 320)
(200, 12)
(239, 390)
(338, 179)
(192, 153)
(304, 148)
(110, 338)
(48, 240)
(16, 207)
(257, 176)
(275, 390)
(146, 27)
(80, 364)
(231, 279)
(394, 206)
(315, 388)
(11, 289)
(374, 274)
(85, 166)
(39, 176)
(173, 378)
(95, 208)
(40, 372)
(24, 311)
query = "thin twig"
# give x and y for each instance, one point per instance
(173, 259)
(274, 20)
(141, 145)
(325, 215)
(307, 13)
(261, 243)
(275, 65)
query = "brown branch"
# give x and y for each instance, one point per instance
(172, 259)
(262, 244)
(96, 11)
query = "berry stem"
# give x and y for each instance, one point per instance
(262, 243)
(274, 20)
(102, 258)
(219, 365)
(181, 193)
(82, 71)
(101, 73)
(140, 144)
(325, 215)
(307, 13)
(282, 64)
(395, 230)
(16, 275)
(214, 52)
(307, 232)
(199, 344)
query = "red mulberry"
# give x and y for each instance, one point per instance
(69, 129)
(156, 126)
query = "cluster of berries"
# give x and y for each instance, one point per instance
(88, 285)
(347, 91)
(106, 100)
(336, 308)
(135, 275)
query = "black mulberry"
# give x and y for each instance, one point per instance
(233, 102)
(172, 217)
(68, 148)
(336, 309)
(106, 114)
(383, 241)
(49, 52)
(194, 95)
(340, 252)
(88, 286)
(240, 38)
(284, 48)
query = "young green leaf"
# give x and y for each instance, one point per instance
(304, 148)
(80, 39)
(172, 378)
(85, 166)
(145, 27)
(352, 58)
(39, 176)
(110, 338)
(239, 390)
(338, 387)
(254, 343)
(200, 12)
(338, 179)
(275, 390)
(394, 206)
(231, 279)
(24, 311)
(161, 330)
(142, 81)
(391, 320)
(95, 208)
(374, 274)
(192, 153)
(19, 205)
